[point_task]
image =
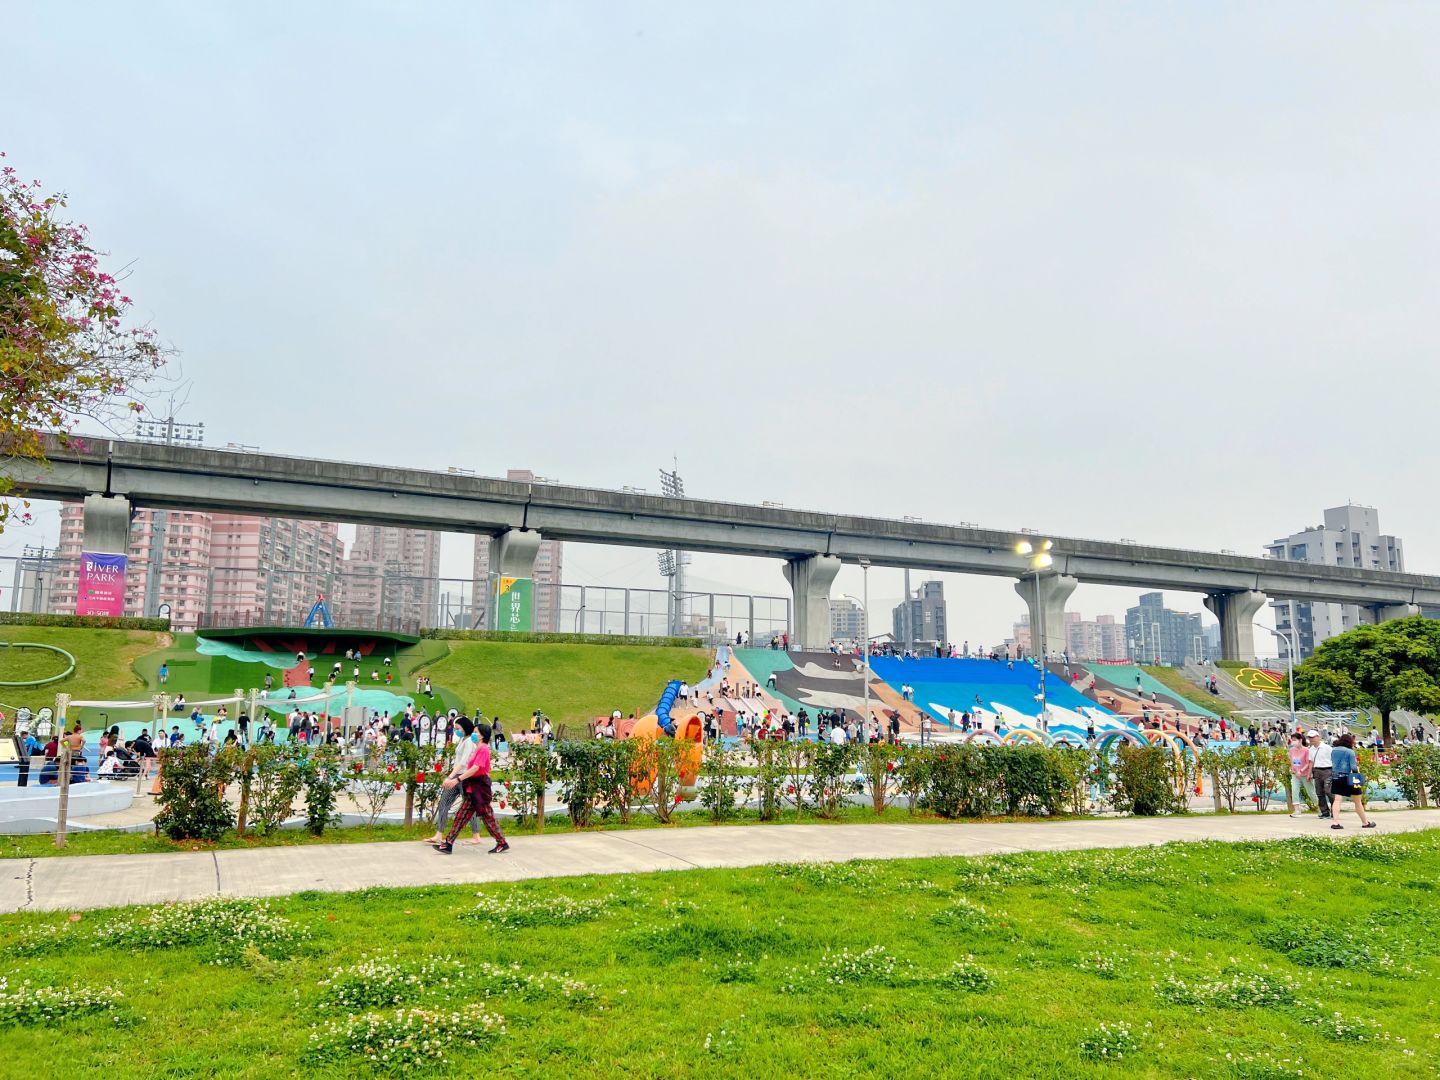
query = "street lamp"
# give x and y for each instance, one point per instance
(865, 622)
(1289, 641)
(1040, 560)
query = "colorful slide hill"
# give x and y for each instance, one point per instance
(1118, 682)
(994, 691)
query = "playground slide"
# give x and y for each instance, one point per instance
(667, 701)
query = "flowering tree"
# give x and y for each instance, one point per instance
(66, 351)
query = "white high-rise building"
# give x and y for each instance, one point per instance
(1349, 536)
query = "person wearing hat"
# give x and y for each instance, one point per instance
(1321, 769)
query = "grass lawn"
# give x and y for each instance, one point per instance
(569, 683)
(1243, 961)
(102, 663)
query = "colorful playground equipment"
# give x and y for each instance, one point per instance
(687, 731)
(320, 614)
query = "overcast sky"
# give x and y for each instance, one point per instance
(1161, 272)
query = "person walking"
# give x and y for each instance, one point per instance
(475, 782)
(450, 789)
(1347, 781)
(1321, 768)
(1301, 785)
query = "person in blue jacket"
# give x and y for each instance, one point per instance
(1346, 780)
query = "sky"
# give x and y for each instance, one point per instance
(1162, 272)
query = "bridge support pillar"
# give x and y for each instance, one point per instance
(1236, 612)
(107, 524)
(1045, 597)
(810, 579)
(512, 555)
(1386, 612)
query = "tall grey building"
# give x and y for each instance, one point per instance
(1349, 536)
(921, 618)
(1158, 635)
(847, 620)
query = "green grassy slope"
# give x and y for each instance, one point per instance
(569, 683)
(1215, 956)
(1185, 688)
(102, 663)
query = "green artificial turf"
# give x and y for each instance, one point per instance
(1299, 958)
(569, 683)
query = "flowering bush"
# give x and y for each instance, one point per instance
(770, 780)
(514, 912)
(406, 1038)
(192, 792)
(880, 773)
(1110, 1042)
(224, 926)
(42, 1006)
(531, 767)
(830, 780)
(721, 782)
(65, 349)
(1144, 783)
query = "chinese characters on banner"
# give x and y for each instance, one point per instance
(102, 584)
(514, 603)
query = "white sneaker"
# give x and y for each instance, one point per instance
(1300, 813)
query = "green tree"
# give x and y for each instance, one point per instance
(66, 351)
(1393, 665)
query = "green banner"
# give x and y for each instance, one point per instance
(514, 604)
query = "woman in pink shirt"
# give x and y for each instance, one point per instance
(1300, 782)
(475, 784)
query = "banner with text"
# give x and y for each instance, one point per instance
(101, 590)
(514, 603)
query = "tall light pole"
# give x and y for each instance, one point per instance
(1040, 559)
(1290, 667)
(865, 623)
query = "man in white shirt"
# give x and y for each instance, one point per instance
(1321, 769)
(837, 735)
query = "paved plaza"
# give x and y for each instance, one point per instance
(73, 883)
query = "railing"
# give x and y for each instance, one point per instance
(233, 620)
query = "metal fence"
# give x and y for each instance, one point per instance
(193, 596)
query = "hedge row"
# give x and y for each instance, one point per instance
(560, 639)
(92, 622)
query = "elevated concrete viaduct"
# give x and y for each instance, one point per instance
(113, 476)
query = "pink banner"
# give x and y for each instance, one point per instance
(102, 585)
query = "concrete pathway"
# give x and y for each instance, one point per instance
(72, 883)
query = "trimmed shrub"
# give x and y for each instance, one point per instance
(92, 622)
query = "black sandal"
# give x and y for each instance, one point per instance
(1368, 825)
(1337, 826)
(446, 849)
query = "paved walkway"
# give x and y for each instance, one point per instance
(72, 883)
